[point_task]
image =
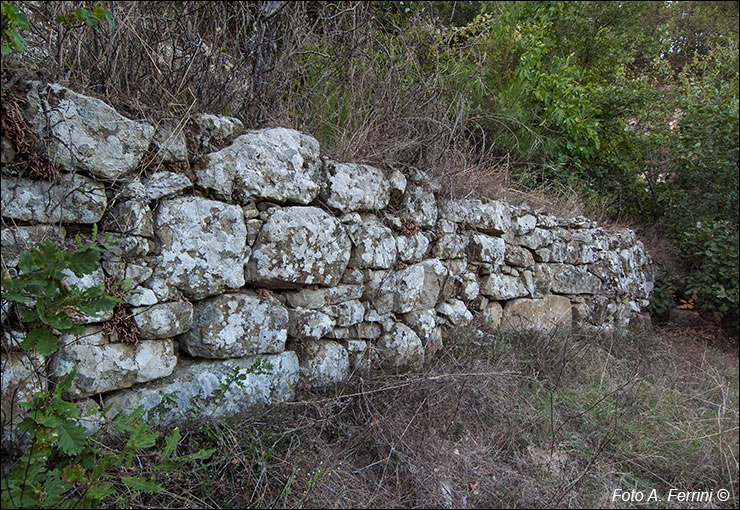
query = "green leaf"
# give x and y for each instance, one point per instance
(26, 263)
(72, 437)
(99, 492)
(171, 442)
(41, 340)
(141, 484)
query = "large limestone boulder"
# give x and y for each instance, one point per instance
(420, 206)
(546, 315)
(306, 324)
(483, 248)
(103, 366)
(299, 246)
(373, 244)
(424, 324)
(401, 348)
(354, 187)
(417, 287)
(72, 198)
(324, 362)
(320, 298)
(567, 279)
(164, 320)
(203, 245)
(267, 379)
(84, 132)
(278, 164)
(489, 218)
(236, 325)
(504, 286)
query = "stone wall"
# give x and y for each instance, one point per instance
(244, 244)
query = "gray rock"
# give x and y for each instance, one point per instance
(203, 244)
(23, 375)
(16, 239)
(84, 132)
(373, 244)
(483, 248)
(518, 256)
(272, 164)
(397, 182)
(164, 320)
(72, 198)
(213, 130)
(424, 324)
(455, 311)
(308, 324)
(236, 325)
(492, 315)
(354, 187)
(418, 286)
(193, 382)
(165, 184)
(346, 314)
(112, 366)
(298, 246)
(324, 362)
(401, 349)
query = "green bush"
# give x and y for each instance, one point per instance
(64, 468)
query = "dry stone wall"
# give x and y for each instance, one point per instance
(263, 248)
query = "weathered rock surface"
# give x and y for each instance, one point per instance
(193, 382)
(14, 240)
(324, 362)
(272, 164)
(373, 244)
(164, 320)
(203, 244)
(354, 187)
(308, 324)
(299, 245)
(401, 349)
(72, 198)
(236, 325)
(546, 315)
(104, 367)
(85, 133)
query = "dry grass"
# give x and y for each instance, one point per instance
(498, 421)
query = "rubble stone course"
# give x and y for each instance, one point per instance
(270, 251)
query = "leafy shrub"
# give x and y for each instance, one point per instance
(63, 467)
(13, 19)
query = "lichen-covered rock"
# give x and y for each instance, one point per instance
(547, 314)
(131, 217)
(72, 198)
(455, 311)
(308, 324)
(424, 324)
(193, 382)
(373, 244)
(323, 362)
(164, 184)
(14, 240)
(418, 286)
(84, 282)
(401, 348)
(450, 244)
(414, 248)
(299, 246)
(567, 279)
(483, 248)
(355, 187)
(503, 287)
(271, 164)
(203, 245)
(524, 224)
(23, 375)
(397, 182)
(105, 367)
(320, 298)
(421, 206)
(489, 218)
(236, 325)
(164, 320)
(118, 269)
(84, 132)
(536, 239)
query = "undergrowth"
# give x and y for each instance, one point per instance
(498, 420)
